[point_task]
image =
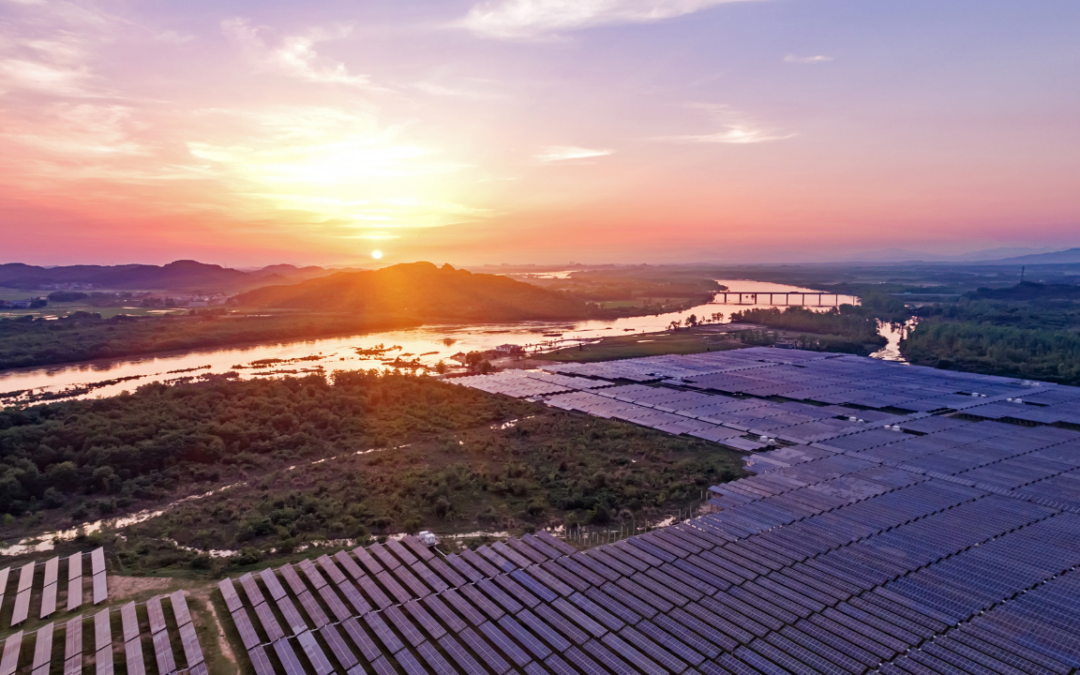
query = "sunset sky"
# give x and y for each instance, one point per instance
(534, 131)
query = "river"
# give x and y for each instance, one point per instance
(430, 344)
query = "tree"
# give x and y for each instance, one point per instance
(691, 321)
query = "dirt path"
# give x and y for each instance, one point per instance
(203, 596)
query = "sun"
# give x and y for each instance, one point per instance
(376, 254)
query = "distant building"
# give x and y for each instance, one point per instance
(510, 349)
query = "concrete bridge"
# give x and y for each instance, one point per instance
(757, 298)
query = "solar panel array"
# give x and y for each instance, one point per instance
(834, 566)
(760, 398)
(166, 641)
(893, 524)
(50, 589)
(527, 383)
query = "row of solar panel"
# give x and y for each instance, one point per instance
(50, 585)
(104, 646)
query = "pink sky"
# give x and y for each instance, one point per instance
(534, 131)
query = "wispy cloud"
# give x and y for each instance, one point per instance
(436, 89)
(792, 58)
(561, 153)
(294, 55)
(735, 129)
(531, 19)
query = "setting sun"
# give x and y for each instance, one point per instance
(376, 254)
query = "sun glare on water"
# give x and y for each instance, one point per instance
(376, 254)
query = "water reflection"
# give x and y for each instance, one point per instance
(429, 344)
(893, 333)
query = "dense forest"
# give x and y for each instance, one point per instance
(450, 458)
(82, 336)
(1030, 331)
(1051, 355)
(848, 329)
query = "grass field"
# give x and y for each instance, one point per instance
(647, 344)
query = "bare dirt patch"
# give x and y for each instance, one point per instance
(122, 588)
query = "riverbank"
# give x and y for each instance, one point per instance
(695, 340)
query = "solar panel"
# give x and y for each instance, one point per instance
(367, 560)
(269, 622)
(293, 620)
(483, 566)
(180, 608)
(418, 547)
(102, 630)
(504, 644)
(103, 661)
(332, 570)
(260, 661)
(460, 565)
(523, 637)
(312, 573)
(190, 642)
(48, 600)
(404, 625)
(163, 655)
(383, 632)
(291, 578)
(97, 561)
(415, 586)
(585, 663)
(424, 618)
(349, 564)
(43, 648)
(354, 597)
(338, 646)
(560, 623)
(384, 556)
(311, 607)
(319, 663)
(26, 577)
(374, 593)
(287, 656)
(509, 593)
(481, 601)
(383, 667)
(459, 655)
(247, 631)
(448, 573)
(133, 657)
(22, 608)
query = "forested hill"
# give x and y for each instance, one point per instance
(423, 291)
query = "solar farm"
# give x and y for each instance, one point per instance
(896, 520)
(32, 651)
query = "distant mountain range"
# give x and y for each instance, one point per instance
(182, 275)
(1068, 257)
(994, 255)
(424, 292)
